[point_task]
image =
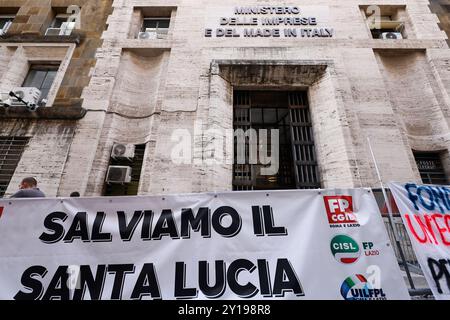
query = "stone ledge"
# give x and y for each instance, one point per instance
(165, 44)
(74, 112)
(28, 38)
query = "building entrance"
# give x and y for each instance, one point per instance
(285, 111)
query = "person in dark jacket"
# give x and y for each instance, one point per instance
(28, 189)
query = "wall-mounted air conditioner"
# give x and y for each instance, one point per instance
(21, 97)
(123, 151)
(118, 175)
(29, 96)
(391, 35)
(65, 30)
(148, 35)
(161, 35)
(151, 34)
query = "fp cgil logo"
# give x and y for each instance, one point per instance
(345, 249)
(340, 211)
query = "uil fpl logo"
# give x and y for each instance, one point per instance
(345, 249)
(357, 287)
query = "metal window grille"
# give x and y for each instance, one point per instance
(430, 167)
(290, 115)
(242, 179)
(306, 168)
(11, 149)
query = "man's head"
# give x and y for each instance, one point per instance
(28, 183)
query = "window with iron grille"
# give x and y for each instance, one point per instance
(430, 167)
(128, 189)
(287, 112)
(11, 149)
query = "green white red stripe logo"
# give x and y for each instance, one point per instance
(345, 249)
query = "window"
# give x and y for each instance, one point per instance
(385, 22)
(11, 149)
(5, 23)
(288, 112)
(151, 22)
(58, 21)
(158, 26)
(60, 26)
(129, 189)
(41, 77)
(430, 167)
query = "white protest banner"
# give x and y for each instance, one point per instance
(257, 245)
(425, 211)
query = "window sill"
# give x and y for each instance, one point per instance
(139, 43)
(20, 38)
(74, 112)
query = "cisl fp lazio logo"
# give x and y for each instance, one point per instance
(340, 211)
(345, 249)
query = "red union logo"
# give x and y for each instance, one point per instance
(1, 211)
(339, 209)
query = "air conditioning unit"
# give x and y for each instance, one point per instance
(29, 95)
(391, 35)
(148, 35)
(161, 35)
(65, 30)
(118, 175)
(123, 151)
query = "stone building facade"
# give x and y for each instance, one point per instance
(26, 45)
(157, 67)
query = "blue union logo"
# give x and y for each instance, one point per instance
(357, 287)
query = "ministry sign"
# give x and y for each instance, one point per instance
(276, 22)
